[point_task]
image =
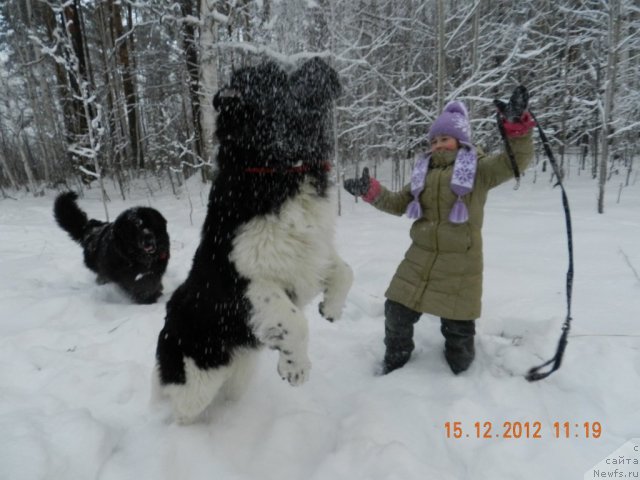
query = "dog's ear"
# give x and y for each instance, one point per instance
(316, 80)
(224, 96)
(252, 85)
(158, 218)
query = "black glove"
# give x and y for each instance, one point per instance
(358, 186)
(517, 105)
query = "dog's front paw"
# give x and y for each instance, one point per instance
(295, 371)
(146, 298)
(321, 309)
(329, 312)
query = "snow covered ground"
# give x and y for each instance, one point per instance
(75, 357)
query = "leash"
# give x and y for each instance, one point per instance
(536, 373)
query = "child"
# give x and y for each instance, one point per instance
(441, 273)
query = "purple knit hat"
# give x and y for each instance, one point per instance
(454, 122)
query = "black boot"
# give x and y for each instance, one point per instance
(459, 350)
(398, 335)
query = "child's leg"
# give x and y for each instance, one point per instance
(459, 350)
(398, 334)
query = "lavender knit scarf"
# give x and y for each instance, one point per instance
(464, 174)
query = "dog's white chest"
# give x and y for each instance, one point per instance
(292, 248)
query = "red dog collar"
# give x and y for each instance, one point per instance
(303, 168)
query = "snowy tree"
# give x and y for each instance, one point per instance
(124, 88)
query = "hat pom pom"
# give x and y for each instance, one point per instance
(457, 107)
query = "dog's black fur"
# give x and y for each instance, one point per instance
(275, 134)
(131, 252)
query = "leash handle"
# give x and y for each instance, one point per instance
(507, 146)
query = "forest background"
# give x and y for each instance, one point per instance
(119, 90)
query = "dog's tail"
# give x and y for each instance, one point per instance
(69, 216)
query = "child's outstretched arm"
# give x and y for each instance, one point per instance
(517, 124)
(374, 193)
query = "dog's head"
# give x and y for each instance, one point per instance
(277, 120)
(313, 88)
(251, 111)
(315, 85)
(141, 233)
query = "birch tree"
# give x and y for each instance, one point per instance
(440, 14)
(613, 38)
(209, 82)
(124, 88)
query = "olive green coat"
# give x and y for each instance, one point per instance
(441, 273)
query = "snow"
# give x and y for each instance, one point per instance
(76, 357)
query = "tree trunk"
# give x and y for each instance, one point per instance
(5, 166)
(614, 34)
(209, 82)
(124, 48)
(90, 145)
(71, 18)
(65, 95)
(190, 47)
(32, 56)
(26, 165)
(474, 53)
(112, 116)
(441, 42)
(565, 96)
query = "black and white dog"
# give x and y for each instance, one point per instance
(131, 252)
(266, 246)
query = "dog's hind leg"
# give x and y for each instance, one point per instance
(243, 367)
(281, 325)
(337, 284)
(191, 398)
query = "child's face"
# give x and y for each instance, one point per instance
(444, 143)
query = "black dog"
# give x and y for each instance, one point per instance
(266, 248)
(131, 252)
